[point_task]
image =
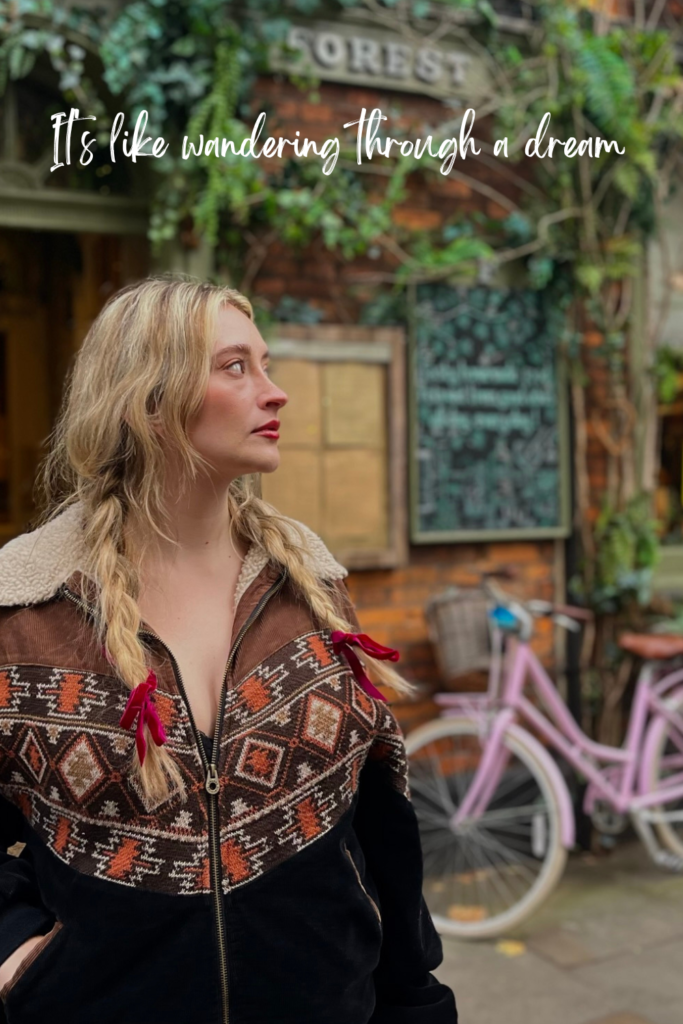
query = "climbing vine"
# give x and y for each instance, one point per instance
(579, 224)
(192, 65)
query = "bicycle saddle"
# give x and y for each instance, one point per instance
(652, 646)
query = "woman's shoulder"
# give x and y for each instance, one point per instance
(35, 564)
(317, 556)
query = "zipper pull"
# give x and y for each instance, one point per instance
(213, 783)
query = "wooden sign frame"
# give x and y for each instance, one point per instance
(384, 346)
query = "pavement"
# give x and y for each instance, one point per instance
(606, 948)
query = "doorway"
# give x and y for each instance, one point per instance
(52, 286)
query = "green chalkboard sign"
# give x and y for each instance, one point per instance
(488, 416)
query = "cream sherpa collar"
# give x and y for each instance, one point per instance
(34, 565)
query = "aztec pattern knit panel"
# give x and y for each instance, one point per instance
(319, 849)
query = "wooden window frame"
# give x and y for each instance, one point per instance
(385, 346)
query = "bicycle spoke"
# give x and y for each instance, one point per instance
(434, 788)
(522, 788)
(441, 785)
(497, 880)
(433, 843)
(519, 860)
(426, 789)
(504, 813)
(502, 877)
(508, 784)
(676, 738)
(462, 782)
(475, 869)
(672, 780)
(432, 823)
(489, 864)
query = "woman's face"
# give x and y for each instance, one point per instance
(237, 427)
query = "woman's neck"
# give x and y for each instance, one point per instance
(198, 521)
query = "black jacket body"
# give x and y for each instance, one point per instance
(293, 895)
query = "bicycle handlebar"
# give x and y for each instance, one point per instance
(568, 616)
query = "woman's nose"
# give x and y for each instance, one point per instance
(276, 396)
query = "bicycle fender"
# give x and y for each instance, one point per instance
(567, 823)
(653, 736)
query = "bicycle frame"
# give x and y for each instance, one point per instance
(596, 761)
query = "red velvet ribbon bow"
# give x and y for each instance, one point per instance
(140, 704)
(343, 643)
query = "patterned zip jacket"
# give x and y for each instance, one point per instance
(286, 889)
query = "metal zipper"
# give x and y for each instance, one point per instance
(212, 782)
(374, 905)
(213, 785)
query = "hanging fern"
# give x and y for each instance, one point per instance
(609, 84)
(192, 64)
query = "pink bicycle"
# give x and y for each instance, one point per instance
(495, 814)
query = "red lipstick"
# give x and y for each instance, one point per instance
(269, 429)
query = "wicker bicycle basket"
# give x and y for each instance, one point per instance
(459, 630)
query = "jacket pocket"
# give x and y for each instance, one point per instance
(29, 960)
(367, 895)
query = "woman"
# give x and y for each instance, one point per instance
(212, 795)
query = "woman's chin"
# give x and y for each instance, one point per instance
(268, 463)
(270, 468)
(223, 474)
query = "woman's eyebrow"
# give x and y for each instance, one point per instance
(239, 349)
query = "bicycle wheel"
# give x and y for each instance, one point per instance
(484, 876)
(666, 744)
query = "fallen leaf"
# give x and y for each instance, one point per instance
(458, 912)
(508, 947)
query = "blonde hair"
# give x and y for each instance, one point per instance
(146, 360)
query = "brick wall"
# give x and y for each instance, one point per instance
(315, 275)
(391, 603)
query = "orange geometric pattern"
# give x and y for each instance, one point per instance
(70, 692)
(235, 861)
(297, 732)
(127, 859)
(5, 689)
(62, 835)
(32, 756)
(308, 818)
(319, 650)
(255, 692)
(10, 688)
(166, 709)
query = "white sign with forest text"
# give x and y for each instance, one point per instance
(339, 52)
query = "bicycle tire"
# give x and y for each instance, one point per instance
(553, 862)
(655, 740)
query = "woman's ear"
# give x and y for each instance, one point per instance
(153, 418)
(156, 423)
(152, 413)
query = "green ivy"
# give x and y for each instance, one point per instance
(192, 65)
(668, 372)
(627, 551)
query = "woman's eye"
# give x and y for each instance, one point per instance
(236, 363)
